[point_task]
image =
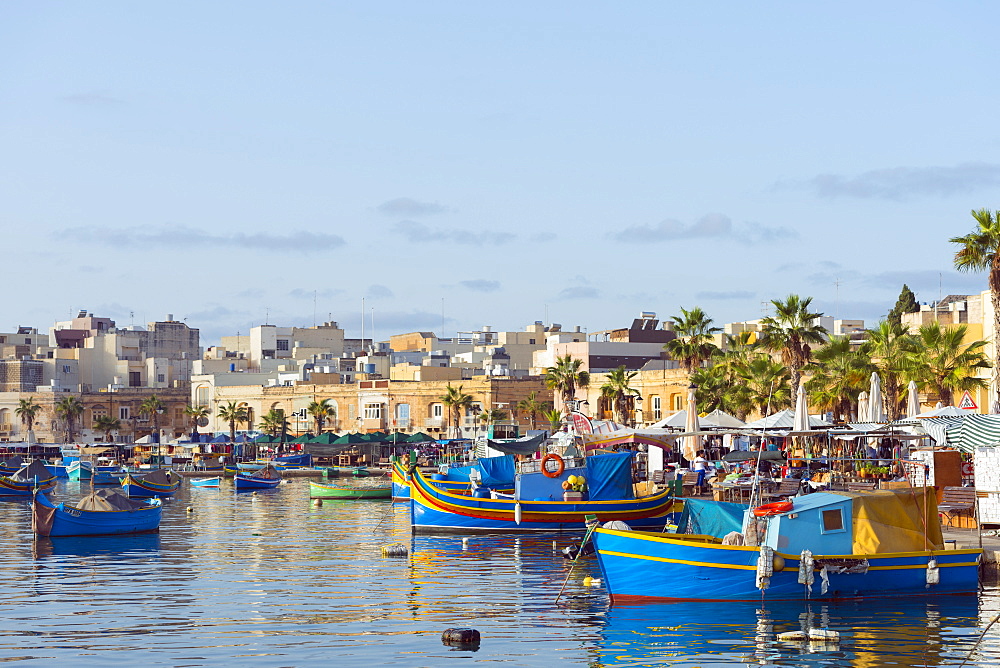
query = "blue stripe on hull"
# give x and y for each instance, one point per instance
(639, 568)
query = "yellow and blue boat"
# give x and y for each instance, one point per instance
(495, 473)
(27, 479)
(103, 512)
(538, 505)
(826, 545)
(158, 483)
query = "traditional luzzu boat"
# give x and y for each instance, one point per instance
(80, 470)
(495, 473)
(249, 467)
(27, 479)
(206, 482)
(538, 504)
(266, 478)
(11, 466)
(825, 545)
(345, 492)
(101, 513)
(160, 482)
(297, 461)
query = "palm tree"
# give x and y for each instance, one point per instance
(764, 386)
(28, 411)
(321, 411)
(978, 251)
(839, 375)
(196, 413)
(789, 332)
(618, 392)
(893, 351)
(554, 417)
(492, 416)
(107, 424)
(946, 363)
(694, 344)
(69, 409)
(455, 400)
(151, 408)
(532, 407)
(273, 422)
(565, 376)
(234, 414)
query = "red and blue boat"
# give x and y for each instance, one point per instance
(266, 478)
(104, 512)
(159, 483)
(27, 479)
(495, 473)
(825, 545)
(538, 504)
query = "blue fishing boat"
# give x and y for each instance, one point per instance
(57, 470)
(297, 461)
(266, 478)
(79, 470)
(100, 476)
(495, 473)
(539, 504)
(103, 512)
(160, 482)
(249, 467)
(207, 482)
(10, 466)
(26, 480)
(826, 545)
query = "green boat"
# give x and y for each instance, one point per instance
(320, 491)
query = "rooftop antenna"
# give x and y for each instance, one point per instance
(362, 325)
(836, 310)
(442, 317)
(314, 308)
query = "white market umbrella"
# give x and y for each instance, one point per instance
(876, 413)
(863, 407)
(692, 444)
(801, 419)
(912, 401)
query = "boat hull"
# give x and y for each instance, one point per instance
(319, 491)
(137, 488)
(206, 482)
(436, 511)
(70, 521)
(650, 567)
(249, 482)
(11, 487)
(79, 470)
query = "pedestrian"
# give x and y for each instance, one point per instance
(700, 466)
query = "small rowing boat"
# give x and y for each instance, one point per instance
(266, 478)
(343, 492)
(103, 512)
(206, 482)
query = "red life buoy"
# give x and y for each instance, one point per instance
(561, 465)
(776, 508)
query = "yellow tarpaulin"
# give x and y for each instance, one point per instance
(898, 520)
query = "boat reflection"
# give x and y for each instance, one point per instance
(910, 632)
(139, 546)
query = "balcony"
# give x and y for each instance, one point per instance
(434, 423)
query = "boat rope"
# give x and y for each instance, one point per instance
(978, 640)
(592, 523)
(384, 516)
(756, 493)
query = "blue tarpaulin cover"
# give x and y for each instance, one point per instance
(459, 473)
(497, 470)
(609, 477)
(711, 518)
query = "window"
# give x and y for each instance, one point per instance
(27, 342)
(66, 368)
(833, 520)
(160, 378)
(657, 408)
(531, 342)
(282, 344)
(134, 379)
(437, 410)
(123, 413)
(373, 411)
(677, 402)
(403, 412)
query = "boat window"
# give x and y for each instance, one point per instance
(833, 520)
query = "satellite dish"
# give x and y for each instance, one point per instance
(203, 422)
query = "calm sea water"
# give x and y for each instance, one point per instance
(269, 580)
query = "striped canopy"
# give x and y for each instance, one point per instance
(964, 432)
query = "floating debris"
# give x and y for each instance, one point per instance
(461, 638)
(395, 550)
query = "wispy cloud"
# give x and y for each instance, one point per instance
(732, 294)
(480, 285)
(92, 98)
(578, 292)
(301, 293)
(419, 233)
(542, 237)
(902, 183)
(405, 206)
(711, 226)
(193, 239)
(379, 292)
(396, 322)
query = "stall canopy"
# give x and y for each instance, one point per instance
(657, 438)
(715, 420)
(966, 432)
(784, 420)
(522, 446)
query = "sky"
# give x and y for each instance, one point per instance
(443, 166)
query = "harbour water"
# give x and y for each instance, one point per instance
(270, 580)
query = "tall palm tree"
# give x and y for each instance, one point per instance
(456, 401)
(694, 343)
(151, 408)
(69, 409)
(532, 407)
(554, 417)
(946, 364)
(764, 386)
(980, 251)
(107, 424)
(789, 332)
(321, 411)
(618, 392)
(28, 411)
(565, 376)
(839, 374)
(893, 351)
(233, 413)
(196, 413)
(273, 422)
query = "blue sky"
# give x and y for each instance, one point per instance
(461, 164)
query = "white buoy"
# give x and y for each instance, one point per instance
(190, 509)
(318, 503)
(517, 513)
(465, 543)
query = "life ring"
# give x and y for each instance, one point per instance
(776, 508)
(559, 469)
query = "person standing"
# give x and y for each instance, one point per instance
(700, 466)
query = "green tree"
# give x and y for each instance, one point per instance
(839, 374)
(790, 332)
(273, 422)
(69, 409)
(763, 386)
(978, 251)
(28, 411)
(321, 411)
(907, 303)
(456, 401)
(532, 407)
(195, 414)
(946, 364)
(233, 413)
(107, 424)
(893, 351)
(151, 408)
(492, 416)
(618, 392)
(694, 343)
(554, 417)
(565, 376)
